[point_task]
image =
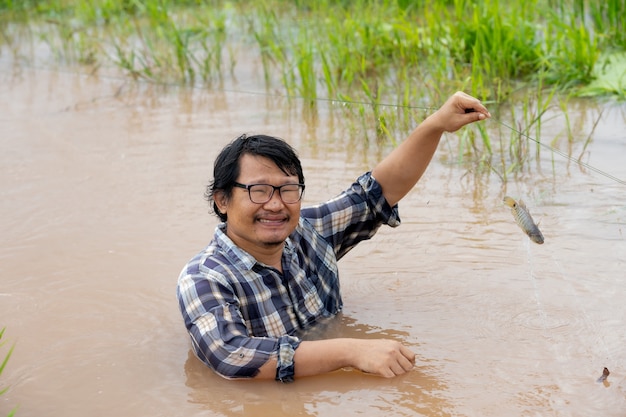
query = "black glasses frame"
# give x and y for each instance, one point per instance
(274, 188)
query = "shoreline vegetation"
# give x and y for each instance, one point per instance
(374, 61)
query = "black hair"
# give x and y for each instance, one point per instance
(227, 167)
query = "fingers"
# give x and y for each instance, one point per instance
(468, 104)
(408, 354)
(397, 368)
(406, 360)
(459, 110)
(387, 358)
(400, 360)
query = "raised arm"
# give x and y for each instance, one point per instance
(404, 166)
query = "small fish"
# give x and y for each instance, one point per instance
(605, 374)
(524, 220)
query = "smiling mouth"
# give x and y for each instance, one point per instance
(282, 220)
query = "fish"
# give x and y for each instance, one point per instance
(605, 374)
(524, 220)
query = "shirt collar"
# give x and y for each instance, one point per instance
(239, 257)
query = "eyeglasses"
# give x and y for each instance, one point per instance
(262, 193)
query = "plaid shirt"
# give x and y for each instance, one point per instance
(240, 313)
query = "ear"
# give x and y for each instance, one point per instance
(221, 201)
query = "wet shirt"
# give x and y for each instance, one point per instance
(240, 313)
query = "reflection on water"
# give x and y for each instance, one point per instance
(101, 205)
(417, 392)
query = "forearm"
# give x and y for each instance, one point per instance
(406, 164)
(382, 357)
(313, 358)
(403, 167)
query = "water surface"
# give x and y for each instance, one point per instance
(102, 182)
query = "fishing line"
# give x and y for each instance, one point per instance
(542, 312)
(587, 322)
(402, 106)
(564, 155)
(354, 102)
(520, 133)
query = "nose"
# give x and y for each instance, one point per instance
(275, 203)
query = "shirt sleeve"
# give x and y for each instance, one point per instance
(218, 333)
(353, 216)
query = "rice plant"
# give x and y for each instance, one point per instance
(3, 365)
(608, 21)
(389, 58)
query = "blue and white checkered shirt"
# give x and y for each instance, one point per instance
(240, 313)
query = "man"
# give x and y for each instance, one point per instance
(271, 269)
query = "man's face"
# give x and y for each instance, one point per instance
(259, 228)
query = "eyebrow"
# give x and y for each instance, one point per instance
(293, 179)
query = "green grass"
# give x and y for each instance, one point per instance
(338, 47)
(3, 365)
(384, 59)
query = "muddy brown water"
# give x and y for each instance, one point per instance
(101, 184)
